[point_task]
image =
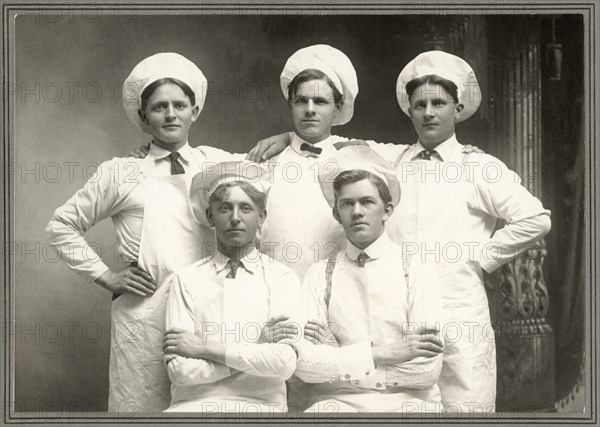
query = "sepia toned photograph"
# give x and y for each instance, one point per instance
(308, 213)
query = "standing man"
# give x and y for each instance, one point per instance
(147, 200)
(450, 204)
(218, 359)
(319, 83)
(386, 322)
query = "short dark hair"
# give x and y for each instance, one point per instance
(311, 74)
(152, 87)
(258, 197)
(356, 175)
(434, 79)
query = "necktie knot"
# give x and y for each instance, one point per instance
(426, 154)
(361, 259)
(310, 148)
(233, 265)
(176, 166)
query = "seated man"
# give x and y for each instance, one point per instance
(386, 353)
(225, 311)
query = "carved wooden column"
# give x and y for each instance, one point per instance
(519, 299)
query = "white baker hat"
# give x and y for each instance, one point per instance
(447, 66)
(357, 157)
(206, 182)
(156, 67)
(331, 62)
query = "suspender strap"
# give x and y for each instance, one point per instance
(328, 277)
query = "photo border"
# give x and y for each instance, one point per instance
(590, 13)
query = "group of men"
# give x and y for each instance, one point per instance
(362, 287)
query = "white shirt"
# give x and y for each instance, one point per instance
(448, 213)
(115, 191)
(369, 306)
(202, 300)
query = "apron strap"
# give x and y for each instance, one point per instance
(399, 158)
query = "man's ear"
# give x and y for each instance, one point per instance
(338, 107)
(336, 214)
(458, 111)
(195, 113)
(142, 115)
(209, 216)
(262, 218)
(389, 210)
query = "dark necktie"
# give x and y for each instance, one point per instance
(176, 166)
(234, 265)
(426, 154)
(310, 148)
(362, 257)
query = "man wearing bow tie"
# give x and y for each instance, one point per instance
(320, 84)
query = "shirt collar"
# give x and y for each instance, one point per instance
(298, 141)
(250, 261)
(444, 150)
(158, 153)
(375, 250)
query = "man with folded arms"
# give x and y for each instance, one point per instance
(381, 351)
(225, 312)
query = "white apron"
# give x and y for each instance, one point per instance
(170, 239)
(431, 219)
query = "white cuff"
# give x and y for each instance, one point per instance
(355, 361)
(377, 381)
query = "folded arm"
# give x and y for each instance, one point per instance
(190, 360)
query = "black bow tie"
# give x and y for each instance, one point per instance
(310, 148)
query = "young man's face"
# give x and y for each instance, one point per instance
(313, 110)
(235, 218)
(433, 113)
(361, 212)
(169, 113)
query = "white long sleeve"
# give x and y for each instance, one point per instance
(104, 195)
(499, 193)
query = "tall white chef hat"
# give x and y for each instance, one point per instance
(208, 180)
(331, 62)
(156, 67)
(447, 66)
(357, 157)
